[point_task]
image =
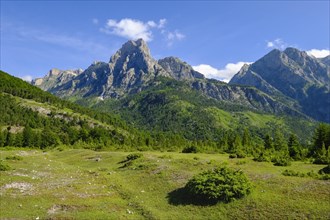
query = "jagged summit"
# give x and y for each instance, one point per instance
(137, 46)
(129, 70)
(134, 57)
(293, 74)
(179, 70)
(56, 77)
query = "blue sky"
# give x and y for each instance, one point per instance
(216, 37)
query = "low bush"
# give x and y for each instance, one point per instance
(4, 167)
(293, 173)
(220, 184)
(15, 157)
(281, 160)
(238, 154)
(325, 170)
(133, 156)
(320, 175)
(262, 157)
(191, 149)
(232, 156)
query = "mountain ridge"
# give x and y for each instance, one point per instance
(132, 69)
(291, 74)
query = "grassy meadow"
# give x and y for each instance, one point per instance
(85, 184)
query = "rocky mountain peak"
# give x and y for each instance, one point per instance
(179, 69)
(137, 46)
(53, 72)
(292, 74)
(134, 57)
(56, 77)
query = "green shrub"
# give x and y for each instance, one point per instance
(4, 167)
(293, 173)
(325, 177)
(14, 157)
(321, 160)
(191, 149)
(220, 184)
(325, 170)
(262, 157)
(281, 160)
(313, 175)
(232, 156)
(131, 157)
(238, 154)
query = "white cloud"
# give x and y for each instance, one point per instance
(173, 36)
(132, 29)
(224, 74)
(277, 43)
(162, 23)
(318, 53)
(27, 78)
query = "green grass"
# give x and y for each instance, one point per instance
(84, 184)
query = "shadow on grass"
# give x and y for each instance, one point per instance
(182, 197)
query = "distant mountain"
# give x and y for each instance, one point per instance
(325, 60)
(178, 69)
(55, 78)
(132, 70)
(129, 70)
(167, 97)
(293, 75)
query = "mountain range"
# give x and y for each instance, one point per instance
(289, 82)
(293, 75)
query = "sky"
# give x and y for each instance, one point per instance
(215, 37)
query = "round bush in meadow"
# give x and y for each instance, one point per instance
(221, 184)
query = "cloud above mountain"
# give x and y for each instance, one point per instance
(224, 74)
(277, 44)
(318, 53)
(133, 29)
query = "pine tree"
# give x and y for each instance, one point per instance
(246, 141)
(2, 139)
(294, 147)
(321, 136)
(268, 142)
(279, 142)
(27, 137)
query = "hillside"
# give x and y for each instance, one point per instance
(173, 107)
(31, 117)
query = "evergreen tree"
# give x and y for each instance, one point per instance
(10, 139)
(294, 147)
(48, 138)
(2, 139)
(27, 137)
(321, 137)
(279, 142)
(247, 142)
(268, 142)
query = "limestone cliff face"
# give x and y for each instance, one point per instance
(55, 78)
(179, 70)
(129, 70)
(292, 74)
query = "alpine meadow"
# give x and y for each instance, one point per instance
(160, 130)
